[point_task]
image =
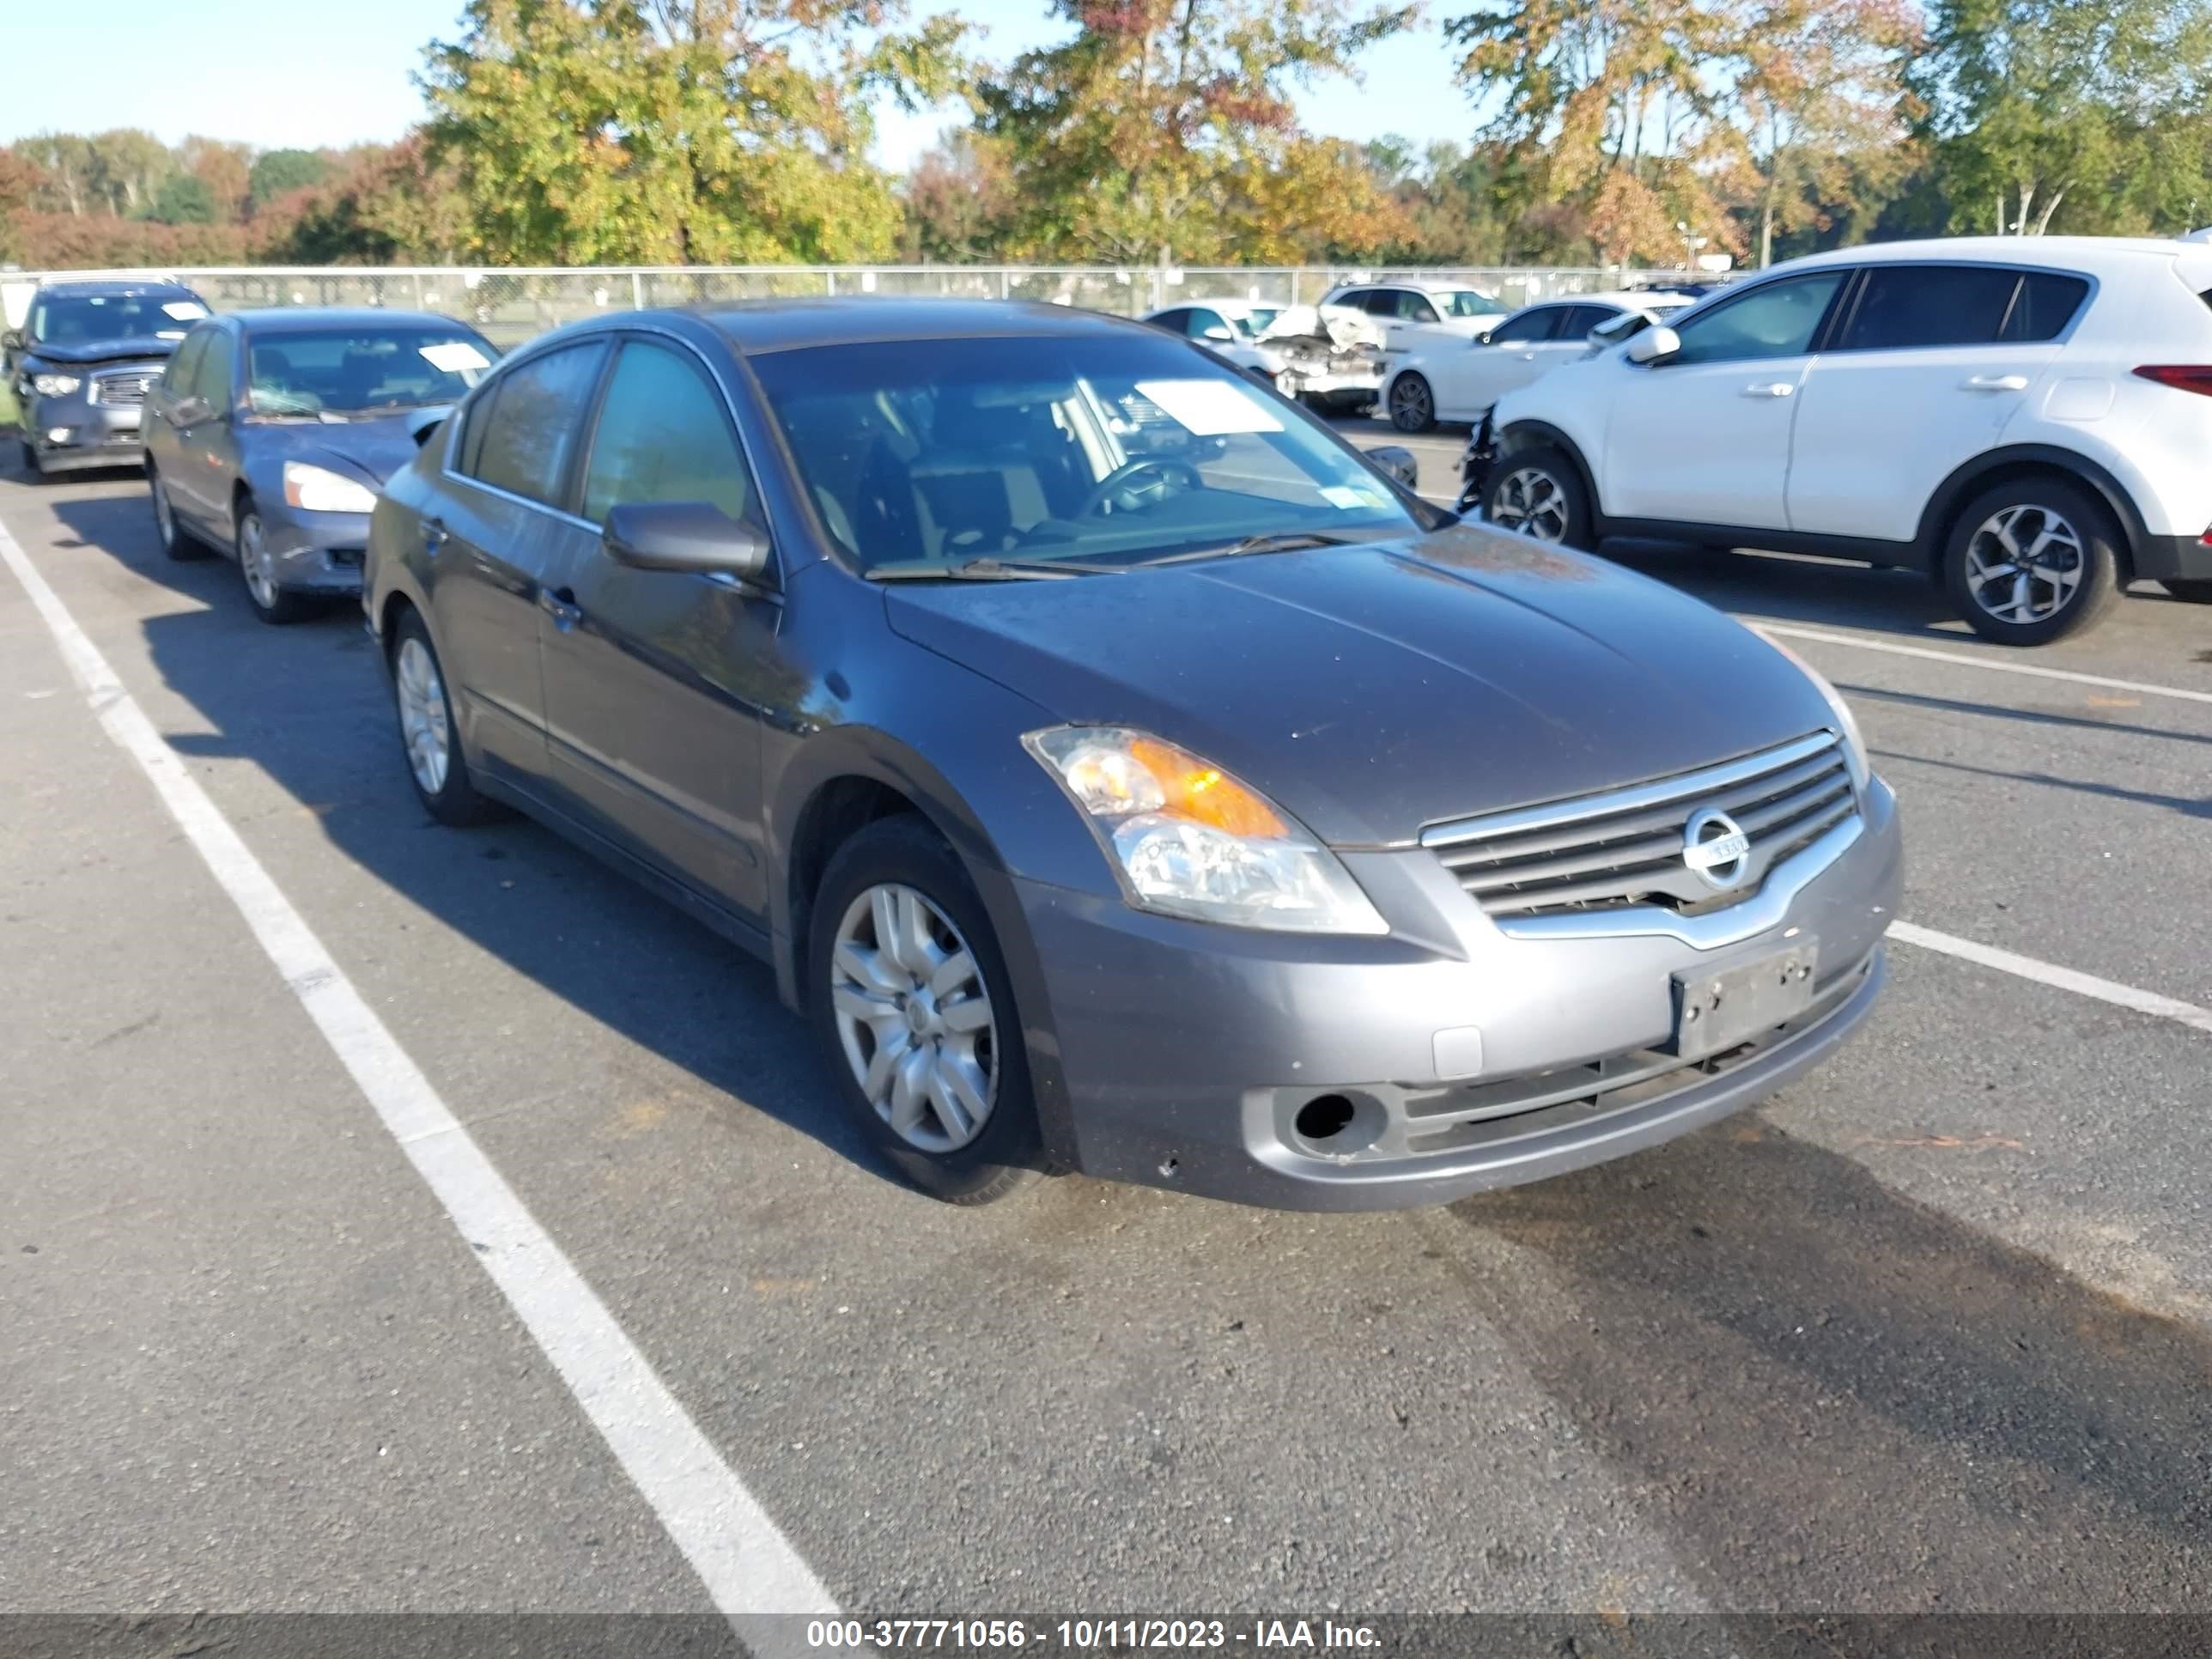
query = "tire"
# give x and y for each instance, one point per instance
(177, 542)
(2074, 582)
(1538, 493)
(447, 790)
(2195, 590)
(272, 604)
(1412, 406)
(855, 989)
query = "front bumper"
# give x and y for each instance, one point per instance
(1471, 1060)
(89, 434)
(316, 552)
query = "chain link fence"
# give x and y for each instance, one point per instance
(509, 306)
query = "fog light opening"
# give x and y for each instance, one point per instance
(1323, 1118)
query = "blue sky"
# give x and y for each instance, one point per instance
(275, 73)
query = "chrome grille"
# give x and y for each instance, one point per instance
(1624, 846)
(123, 390)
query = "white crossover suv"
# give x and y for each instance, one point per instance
(2027, 419)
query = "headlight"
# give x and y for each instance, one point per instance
(55, 385)
(1855, 753)
(318, 490)
(1188, 840)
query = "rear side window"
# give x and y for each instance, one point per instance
(1172, 321)
(1902, 308)
(663, 436)
(1581, 319)
(2044, 306)
(522, 442)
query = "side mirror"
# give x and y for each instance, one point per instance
(685, 536)
(1399, 462)
(1221, 334)
(1654, 344)
(191, 411)
(13, 340)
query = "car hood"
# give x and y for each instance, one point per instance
(370, 450)
(145, 349)
(1372, 689)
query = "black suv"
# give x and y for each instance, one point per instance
(80, 366)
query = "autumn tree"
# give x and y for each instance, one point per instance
(1164, 129)
(958, 199)
(679, 132)
(379, 205)
(277, 172)
(1819, 93)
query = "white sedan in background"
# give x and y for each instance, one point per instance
(1459, 381)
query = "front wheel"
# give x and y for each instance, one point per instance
(1538, 493)
(2032, 561)
(257, 565)
(915, 1016)
(2197, 590)
(1412, 406)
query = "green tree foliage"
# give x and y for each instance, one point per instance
(183, 199)
(277, 172)
(679, 132)
(379, 205)
(1165, 129)
(2084, 115)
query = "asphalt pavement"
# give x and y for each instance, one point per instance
(1932, 1329)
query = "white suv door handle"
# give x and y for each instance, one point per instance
(1769, 389)
(1996, 383)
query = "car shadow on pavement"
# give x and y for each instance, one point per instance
(1829, 592)
(308, 705)
(1830, 1396)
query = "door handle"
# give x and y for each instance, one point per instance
(560, 604)
(433, 535)
(1995, 383)
(1771, 389)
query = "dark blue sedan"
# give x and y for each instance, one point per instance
(270, 433)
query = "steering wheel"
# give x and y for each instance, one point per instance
(1116, 482)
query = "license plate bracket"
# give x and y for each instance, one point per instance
(1721, 1009)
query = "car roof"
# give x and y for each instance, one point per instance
(305, 320)
(1423, 283)
(121, 289)
(767, 326)
(1999, 250)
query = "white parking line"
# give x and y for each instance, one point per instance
(2047, 973)
(1965, 661)
(748, 1568)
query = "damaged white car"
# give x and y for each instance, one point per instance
(1330, 356)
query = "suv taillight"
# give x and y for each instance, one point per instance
(2182, 377)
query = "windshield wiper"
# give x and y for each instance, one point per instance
(986, 570)
(1280, 541)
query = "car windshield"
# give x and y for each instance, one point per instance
(1468, 302)
(1105, 450)
(1258, 317)
(353, 371)
(82, 319)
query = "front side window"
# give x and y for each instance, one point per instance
(214, 378)
(361, 370)
(179, 373)
(1531, 328)
(1120, 451)
(1775, 320)
(522, 441)
(663, 436)
(1412, 308)
(1469, 302)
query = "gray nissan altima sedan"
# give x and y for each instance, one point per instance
(1122, 773)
